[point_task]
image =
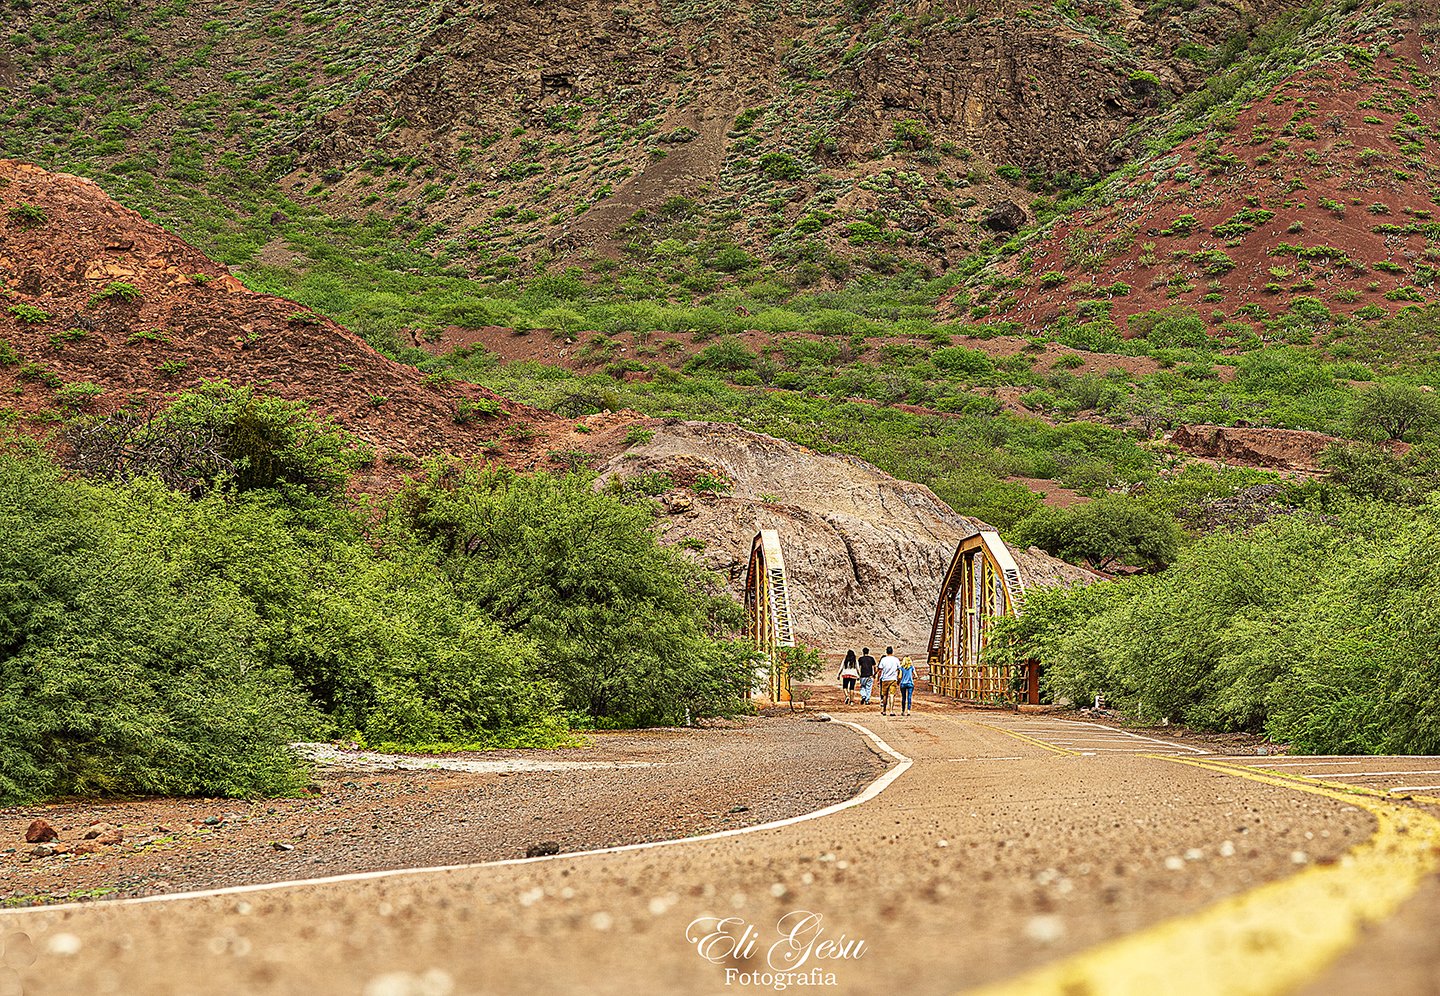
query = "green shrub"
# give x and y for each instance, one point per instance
(624, 624)
(27, 216)
(116, 291)
(29, 314)
(972, 363)
(221, 433)
(1292, 628)
(467, 410)
(781, 166)
(726, 354)
(1396, 411)
(127, 665)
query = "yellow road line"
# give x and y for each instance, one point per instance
(1270, 939)
(1030, 740)
(1428, 800)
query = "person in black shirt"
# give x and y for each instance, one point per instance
(867, 675)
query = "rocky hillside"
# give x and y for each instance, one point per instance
(1317, 194)
(837, 134)
(865, 553)
(101, 309)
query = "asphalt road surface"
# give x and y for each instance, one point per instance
(998, 853)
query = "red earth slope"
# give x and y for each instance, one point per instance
(1327, 188)
(93, 294)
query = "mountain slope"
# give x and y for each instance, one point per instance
(849, 136)
(1318, 194)
(865, 553)
(102, 309)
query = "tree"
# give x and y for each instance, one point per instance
(1369, 470)
(631, 632)
(1104, 533)
(1396, 411)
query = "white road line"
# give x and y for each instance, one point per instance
(1414, 788)
(871, 791)
(1154, 740)
(1370, 774)
(1309, 764)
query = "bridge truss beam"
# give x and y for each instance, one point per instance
(982, 584)
(768, 622)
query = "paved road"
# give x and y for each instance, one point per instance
(1015, 853)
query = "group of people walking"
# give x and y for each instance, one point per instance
(893, 674)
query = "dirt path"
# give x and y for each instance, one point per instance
(1004, 847)
(367, 813)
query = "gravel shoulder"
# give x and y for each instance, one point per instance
(634, 786)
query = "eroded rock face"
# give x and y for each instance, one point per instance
(865, 553)
(1281, 449)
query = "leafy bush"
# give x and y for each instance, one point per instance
(1322, 634)
(1104, 533)
(629, 631)
(1181, 330)
(126, 664)
(781, 166)
(972, 363)
(725, 354)
(116, 291)
(1396, 411)
(27, 216)
(216, 433)
(30, 314)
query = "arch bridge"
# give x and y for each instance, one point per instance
(982, 584)
(768, 622)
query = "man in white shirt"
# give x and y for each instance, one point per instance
(889, 678)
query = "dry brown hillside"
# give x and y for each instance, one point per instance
(101, 309)
(1324, 191)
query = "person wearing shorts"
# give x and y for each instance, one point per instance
(889, 679)
(849, 676)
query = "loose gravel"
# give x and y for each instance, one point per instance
(622, 788)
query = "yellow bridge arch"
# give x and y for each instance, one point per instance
(982, 584)
(768, 621)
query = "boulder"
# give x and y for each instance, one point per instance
(1004, 216)
(40, 832)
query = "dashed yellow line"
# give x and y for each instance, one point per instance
(1270, 939)
(1030, 740)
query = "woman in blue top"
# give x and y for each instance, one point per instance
(907, 686)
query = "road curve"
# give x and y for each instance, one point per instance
(1014, 853)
